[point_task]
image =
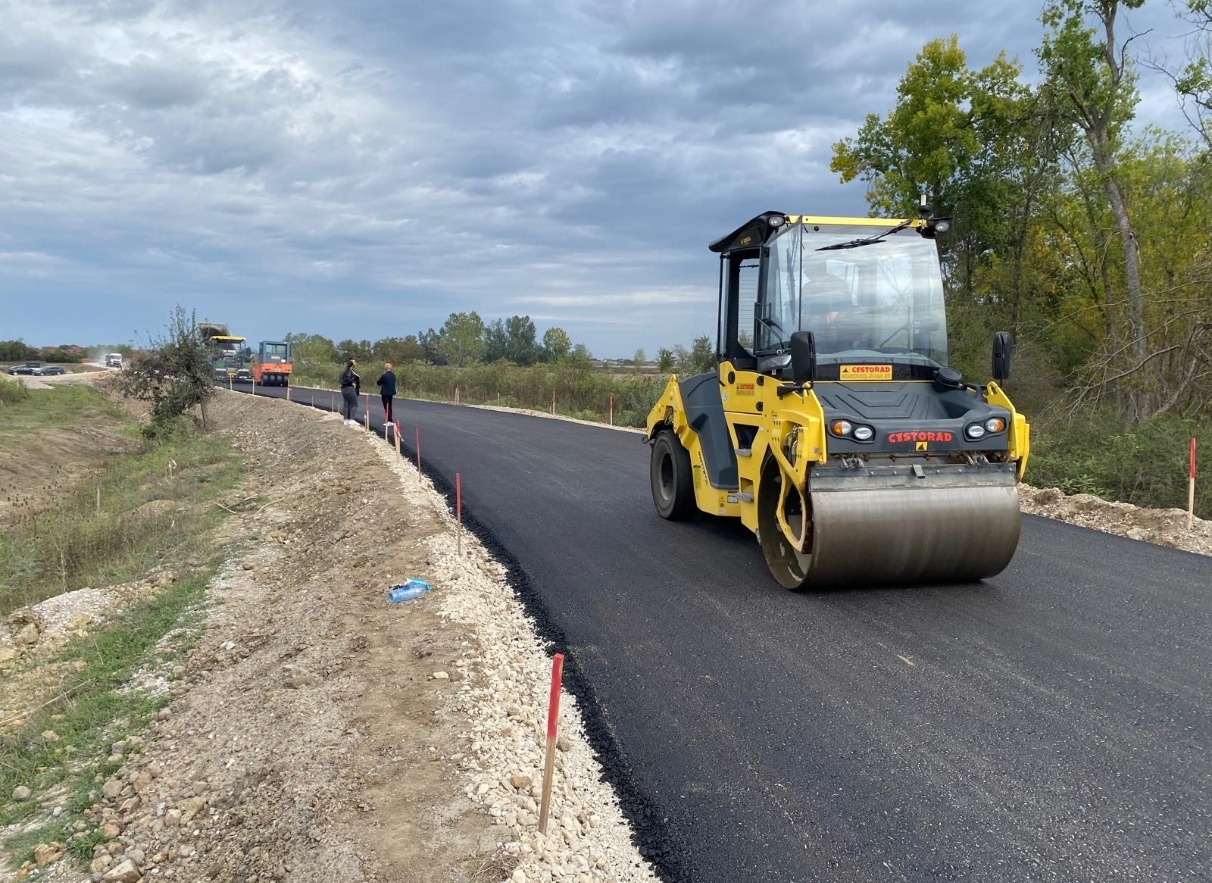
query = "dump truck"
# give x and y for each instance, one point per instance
(834, 427)
(272, 365)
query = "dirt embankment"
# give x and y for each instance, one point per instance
(317, 732)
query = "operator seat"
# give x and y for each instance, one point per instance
(832, 315)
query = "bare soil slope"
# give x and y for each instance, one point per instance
(317, 732)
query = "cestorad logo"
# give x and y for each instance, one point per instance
(745, 389)
(898, 438)
(866, 372)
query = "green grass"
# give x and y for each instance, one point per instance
(67, 405)
(1147, 465)
(76, 544)
(92, 713)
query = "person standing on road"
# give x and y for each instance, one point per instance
(387, 389)
(351, 386)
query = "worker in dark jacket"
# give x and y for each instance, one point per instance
(351, 386)
(387, 389)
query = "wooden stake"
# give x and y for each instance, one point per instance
(418, 453)
(612, 410)
(553, 715)
(459, 513)
(553, 404)
(1191, 490)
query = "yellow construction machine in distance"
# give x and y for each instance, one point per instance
(833, 427)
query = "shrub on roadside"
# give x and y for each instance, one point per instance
(1146, 466)
(174, 375)
(11, 392)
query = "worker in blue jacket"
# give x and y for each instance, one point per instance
(387, 388)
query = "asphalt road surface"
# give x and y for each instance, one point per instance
(1051, 724)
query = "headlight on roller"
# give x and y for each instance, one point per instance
(975, 431)
(846, 429)
(995, 424)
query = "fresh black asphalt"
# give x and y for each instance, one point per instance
(1053, 723)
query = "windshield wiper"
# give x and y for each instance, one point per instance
(868, 240)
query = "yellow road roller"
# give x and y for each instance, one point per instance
(834, 427)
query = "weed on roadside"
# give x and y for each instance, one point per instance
(62, 748)
(153, 509)
(141, 509)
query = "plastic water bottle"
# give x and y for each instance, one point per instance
(414, 588)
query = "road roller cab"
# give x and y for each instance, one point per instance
(834, 428)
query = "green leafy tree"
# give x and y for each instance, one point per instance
(1193, 81)
(666, 359)
(16, 351)
(521, 347)
(398, 350)
(496, 341)
(638, 360)
(362, 350)
(173, 373)
(461, 340)
(971, 141)
(431, 343)
(312, 350)
(1090, 83)
(556, 344)
(702, 355)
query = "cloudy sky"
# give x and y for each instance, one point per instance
(361, 169)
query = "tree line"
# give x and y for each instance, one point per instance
(20, 351)
(465, 339)
(1088, 239)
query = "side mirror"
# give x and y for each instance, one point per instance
(803, 357)
(1003, 349)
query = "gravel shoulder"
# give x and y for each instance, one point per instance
(317, 732)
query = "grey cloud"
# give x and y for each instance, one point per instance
(27, 58)
(375, 158)
(146, 83)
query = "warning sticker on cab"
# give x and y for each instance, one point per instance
(866, 372)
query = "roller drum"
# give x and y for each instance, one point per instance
(894, 535)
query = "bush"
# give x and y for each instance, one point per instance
(174, 375)
(11, 392)
(1146, 465)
